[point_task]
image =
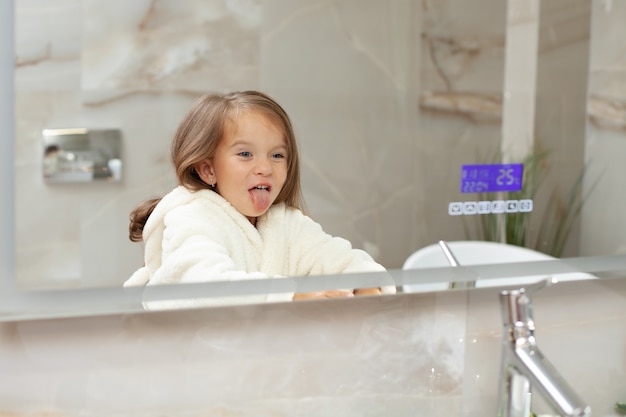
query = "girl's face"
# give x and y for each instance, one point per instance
(250, 164)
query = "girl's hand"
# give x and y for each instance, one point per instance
(336, 293)
(323, 294)
(367, 291)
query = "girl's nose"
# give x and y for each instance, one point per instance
(263, 167)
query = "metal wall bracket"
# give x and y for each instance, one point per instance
(82, 155)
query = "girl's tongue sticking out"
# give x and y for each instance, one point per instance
(260, 196)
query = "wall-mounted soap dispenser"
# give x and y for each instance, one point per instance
(82, 155)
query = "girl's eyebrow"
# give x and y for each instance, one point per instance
(241, 143)
(246, 143)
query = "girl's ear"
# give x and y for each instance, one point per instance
(205, 172)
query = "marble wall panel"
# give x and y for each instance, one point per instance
(345, 72)
(461, 77)
(102, 64)
(165, 45)
(605, 148)
(560, 115)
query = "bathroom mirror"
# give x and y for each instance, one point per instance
(390, 101)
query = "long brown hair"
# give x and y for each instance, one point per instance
(198, 136)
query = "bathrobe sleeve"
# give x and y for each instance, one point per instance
(315, 252)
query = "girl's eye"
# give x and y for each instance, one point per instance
(278, 156)
(245, 154)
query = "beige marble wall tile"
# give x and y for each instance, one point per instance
(167, 45)
(562, 69)
(137, 69)
(603, 228)
(460, 105)
(47, 45)
(345, 72)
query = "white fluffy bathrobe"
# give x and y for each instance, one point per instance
(199, 237)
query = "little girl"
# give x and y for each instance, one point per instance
(237, 212)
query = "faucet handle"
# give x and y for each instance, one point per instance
(540, 285)
(516, 305)
(523, 292)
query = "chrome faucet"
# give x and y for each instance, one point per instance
(523, 365)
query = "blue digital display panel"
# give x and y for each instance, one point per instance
(488, 178)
